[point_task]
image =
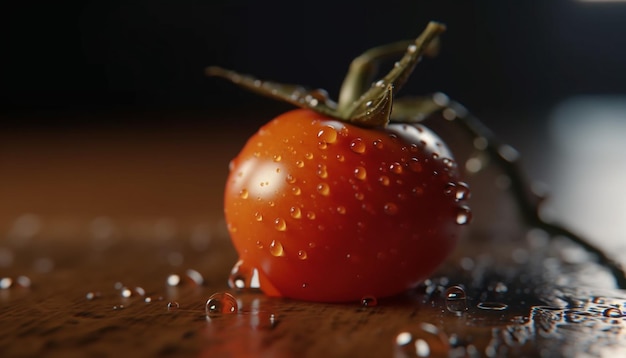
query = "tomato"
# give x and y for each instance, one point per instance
(323, 210)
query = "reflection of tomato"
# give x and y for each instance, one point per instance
(327, 211)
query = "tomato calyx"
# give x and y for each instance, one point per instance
(361, 102)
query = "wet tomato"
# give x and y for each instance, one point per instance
(324, 210)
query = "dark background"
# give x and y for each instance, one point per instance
(138, 55)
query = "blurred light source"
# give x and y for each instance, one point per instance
(589, 170)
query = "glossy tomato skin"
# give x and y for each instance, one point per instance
(330, 212)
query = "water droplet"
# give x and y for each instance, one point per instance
(295, 212)
(258, 216)
(296, 190)
(378, 144)
(359, 196)
(369, 301)
(290, 179)
(395, 168)
(126, 292)
(341, 210)
(612, 312)
(456, 300)
(310, 215)
(276, 248)
(173, 280)
(390, 209)
(308, 156)
(302, 255)
(462, 191)
(463, 215)
(322, 145)
(173, 305)
(501, 287)
(92, 295)
(243, 194)
(221, 304)
(323, 189)
(384, 180)
(327, 134)
(277, 158)
(360, 173)
(243, 276)
(299, 163)
(259, 244)
(357, 145)
(148, 300)
(140, 291)
(118, 307)
(195, 277)
(321, 171)
(340, 157)
(417, 191)
(448, 162)
(280, 224)
(425, 340)
(5, 283)
(492, 306)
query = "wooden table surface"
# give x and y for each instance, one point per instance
(94, 220)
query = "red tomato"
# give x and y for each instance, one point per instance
(328, 211)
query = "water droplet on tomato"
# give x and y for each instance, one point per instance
(358, 146)
(276, 248)
(302, 255)
(243, 194)
(369, 301)
(462, 191)
(340, 157)
(296, 190)
(299, 163)
(277, 158)
(310, 215)
(390, 209)
(378, 144)
(492, 306)
(308, 156)
(280, 224)
(383, 180)
(220, 304)
(321, 171)
(359, 196)
(360, 173)
(463, 215)
(295, 212)
(323, 189)
(259, 244)
(448, 162)
(417, 191)
(341, 210)
(395, 168)
(322, 145)
(327, 134)
(424, 340)
(290, 179)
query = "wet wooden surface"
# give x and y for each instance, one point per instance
(95, 220)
